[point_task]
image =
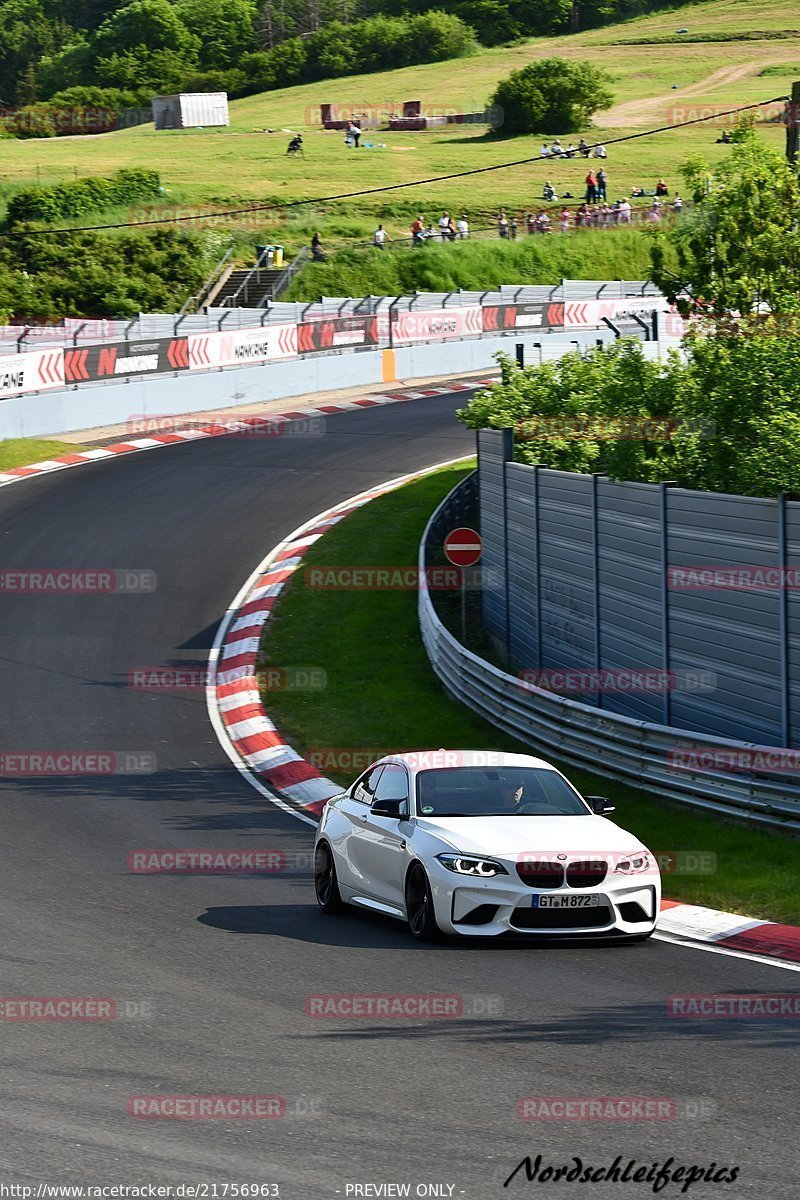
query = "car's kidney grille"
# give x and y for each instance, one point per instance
(586, 873)
(540, 874)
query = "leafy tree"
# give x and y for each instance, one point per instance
(725, 419)
(739, 249)
(437, 35)
(225, 29)
(147, 25)
(26, 34)
(552, 96)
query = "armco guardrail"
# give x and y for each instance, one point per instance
(667, 761)
(83, 352)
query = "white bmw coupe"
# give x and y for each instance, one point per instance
(481, 843)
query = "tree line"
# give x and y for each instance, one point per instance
(125, 53)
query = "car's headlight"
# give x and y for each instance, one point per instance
(633, 864)
(465, 864)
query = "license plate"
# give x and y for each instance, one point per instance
(592, 901)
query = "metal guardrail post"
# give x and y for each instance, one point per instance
(783, 624)
(537, 516)
(508, 456)
(647, 328)
(663, 564)
(391, 321)
(598, 653)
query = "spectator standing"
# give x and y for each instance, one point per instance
(591, 188)
(543, 222)
(530, 222)
(444, 226)
(317, 253)
(418, 232)
(654, 213)
(512, 229)
(463, 226)
(565, 218)
(355, 133)
(502, 224)
(625, 211)
(605, 216)
(379, 237)
(602, 184)
(677, 204)
(582, 216)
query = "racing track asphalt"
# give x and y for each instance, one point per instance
(226, 962)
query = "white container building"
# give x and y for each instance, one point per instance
(191, 110)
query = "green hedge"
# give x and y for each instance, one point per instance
(82, 197)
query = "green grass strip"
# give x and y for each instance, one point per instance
(382, 695)
(19, 452)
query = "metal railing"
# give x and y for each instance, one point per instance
(293, 269)
(608, 744)
(213, 280)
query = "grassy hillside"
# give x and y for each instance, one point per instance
(239, 166)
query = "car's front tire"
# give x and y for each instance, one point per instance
(419, 906)
(326, 885)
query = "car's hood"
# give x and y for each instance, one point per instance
(511, 836)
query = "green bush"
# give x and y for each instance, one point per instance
(706, 421)
(82, 197)
(552, 96)
(476, 264)
(101, 274)
(359, 48)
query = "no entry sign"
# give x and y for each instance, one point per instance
(462, 547)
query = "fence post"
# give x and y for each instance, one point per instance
(663, 560)
(596, 586)
(538, 568)
(783, 623)
(508, 456)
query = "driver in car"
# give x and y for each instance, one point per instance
(510, 796)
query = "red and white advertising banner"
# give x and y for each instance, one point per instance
(581, 313)
(438, 323)
(32, 371)
(242, 346)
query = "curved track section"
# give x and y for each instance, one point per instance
(216, 969)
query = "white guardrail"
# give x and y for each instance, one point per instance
(641, 753)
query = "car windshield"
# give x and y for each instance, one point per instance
(496, 792)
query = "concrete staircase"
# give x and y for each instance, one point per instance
(247, 288)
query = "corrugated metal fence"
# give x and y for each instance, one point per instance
(611, 577)
(698, 688)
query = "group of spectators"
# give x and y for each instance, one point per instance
(590, 214)
(554, 149)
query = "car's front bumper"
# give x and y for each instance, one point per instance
(504, 904)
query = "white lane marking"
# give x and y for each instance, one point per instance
(238, 601)
(713, 948)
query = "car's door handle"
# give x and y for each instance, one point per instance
(363, 816)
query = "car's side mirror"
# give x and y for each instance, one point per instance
(388, 808)
(601, 805)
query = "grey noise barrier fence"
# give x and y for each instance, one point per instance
(574, 555)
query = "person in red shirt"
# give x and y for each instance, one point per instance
(591, 188)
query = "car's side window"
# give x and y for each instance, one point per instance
(393, 784)
(364, 791)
